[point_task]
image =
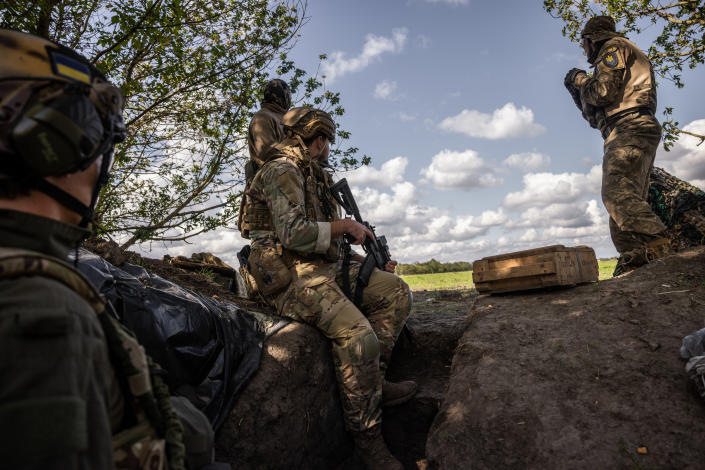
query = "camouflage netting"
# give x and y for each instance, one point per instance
(681, 207)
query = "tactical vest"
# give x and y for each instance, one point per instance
(268, 266)
(319, 202)
(640, 86)
(154, 439)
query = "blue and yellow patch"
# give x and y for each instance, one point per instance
(69, 67)
(611, 58)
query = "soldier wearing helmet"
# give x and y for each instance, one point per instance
(75, 387)
(620, 100)
(295, 229)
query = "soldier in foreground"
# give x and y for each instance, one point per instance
(295, 230)
(620, 100)
(76, 389)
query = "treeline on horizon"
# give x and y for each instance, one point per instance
(433, 267)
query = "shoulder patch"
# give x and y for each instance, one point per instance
(611, 58)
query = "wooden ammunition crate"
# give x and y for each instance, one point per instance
(534, 269)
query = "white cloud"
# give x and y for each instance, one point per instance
(382, 208)
(686, 160)
(459, 170)
(544, 189)
(529, 161)
(505, 122)
(391, 172)
(338, 64)
(385, 90)
(529, 236)
(406, 117)
(567, 215)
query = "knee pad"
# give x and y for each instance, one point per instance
(368, 346)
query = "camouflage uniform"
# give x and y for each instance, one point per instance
(295, 190)
(620, 100)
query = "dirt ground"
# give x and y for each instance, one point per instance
(423, 353)
(585, 377)
(582, 378)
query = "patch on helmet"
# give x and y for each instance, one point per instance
(611, 58)
(69, 67)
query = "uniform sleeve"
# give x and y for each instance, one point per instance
(56, 379)
(263, 135)
(605, 88)
(283, 187)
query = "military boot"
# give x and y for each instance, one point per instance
(396, 393)
(658, 249)
(370, 447)
(630, 260)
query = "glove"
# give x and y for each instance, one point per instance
(569, 80)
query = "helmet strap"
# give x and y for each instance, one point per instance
(64, 198)
(86, 212)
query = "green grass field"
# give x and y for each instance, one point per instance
(463, 279)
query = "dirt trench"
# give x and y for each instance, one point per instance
(437, 321)
(262, 424)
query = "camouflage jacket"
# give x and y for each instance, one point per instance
(622, 79)
(294, 192)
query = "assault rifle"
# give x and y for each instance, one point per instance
(376, 249)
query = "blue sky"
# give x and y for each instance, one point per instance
(477, 147)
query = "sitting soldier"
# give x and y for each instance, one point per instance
(295, 229)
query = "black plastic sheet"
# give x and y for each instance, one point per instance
(209, 349)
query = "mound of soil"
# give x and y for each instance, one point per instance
(581, 378)
(289, 415)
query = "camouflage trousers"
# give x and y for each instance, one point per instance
(630, 150)
(362, 340)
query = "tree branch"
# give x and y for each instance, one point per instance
(127, 34)
(699, 136)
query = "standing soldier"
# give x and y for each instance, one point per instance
(76, 390)
(620, 100)
(296, 234)
(265, 130)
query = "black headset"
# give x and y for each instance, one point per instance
(61, 136)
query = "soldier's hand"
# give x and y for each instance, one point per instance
(391, 264)
(352, 229)
(358, 231)
(569, 80)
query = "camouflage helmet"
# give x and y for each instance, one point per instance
(309, 122)
(599, 28)
(278, 92)
(58, 113)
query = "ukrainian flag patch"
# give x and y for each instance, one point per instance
(70, 68)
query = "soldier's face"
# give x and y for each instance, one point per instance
(588, 46)
(320, 149)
